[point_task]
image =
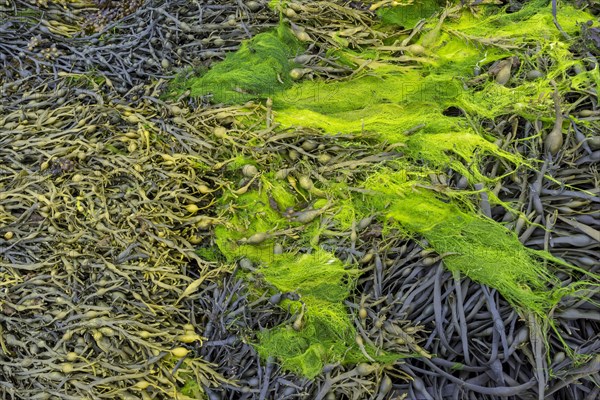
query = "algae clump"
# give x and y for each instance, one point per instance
(259, 69)
(326, 331)
(479, 248)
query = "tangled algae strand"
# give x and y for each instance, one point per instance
(327, 335)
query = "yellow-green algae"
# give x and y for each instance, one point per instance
(327, 334)
(409, 12)
(394, 98)
(472, 244)
(321, 281)
(390, 99)
(259, 68)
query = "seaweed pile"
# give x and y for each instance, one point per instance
(299, 199)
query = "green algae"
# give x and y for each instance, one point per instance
(469, 243)
(192, 389)
(418, 91)
(408, 13)
(327, 335)
(477, 247)
(321, 281)
(257, 70)
(403, 102)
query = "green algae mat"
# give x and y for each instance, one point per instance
(401, 95)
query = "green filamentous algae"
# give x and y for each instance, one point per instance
(404, 102)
